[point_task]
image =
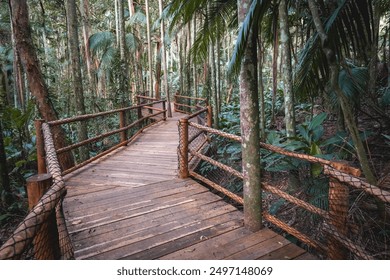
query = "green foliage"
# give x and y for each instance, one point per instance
(384, 94)
(21, 157)
(309, 140)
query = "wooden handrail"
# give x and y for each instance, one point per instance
(91, 116)
(190, 97)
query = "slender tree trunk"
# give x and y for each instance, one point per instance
(249, 117)
(373, 54)
(218, 74)
(124, 69)
(38, 88)
(5, 189)
(275, 72)
(116, 22)
(214, 86)
(345, 105)
(149, 49)
(261, 89)
(84, 8)
(164, 60)
(194, 74)
(74, 53)
(158, 72)
(287, 70)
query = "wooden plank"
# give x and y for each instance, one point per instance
(260, 249)
(235, 246)
(131, 195)
(122, 250)
(118, 233)
(102, 216)
(185, 241)
(195, 252)
(288, 252)
(306, 256)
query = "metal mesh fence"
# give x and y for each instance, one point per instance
(321, 205)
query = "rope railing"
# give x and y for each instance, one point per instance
(323, 217)
(43, 233)
(33, 238)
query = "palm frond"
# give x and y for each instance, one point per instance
(350, 33)
(255, 14)
(132, 42)
(138, 18)
(100, 41)
(221, 15)
(183, 11)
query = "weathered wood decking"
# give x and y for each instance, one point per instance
(130, 205)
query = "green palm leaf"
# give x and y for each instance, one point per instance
(255, 14)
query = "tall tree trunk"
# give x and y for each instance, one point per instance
(149, 40)
(124, 69)
(18, 76)
(74, 55)
(261, 88)
(188, 60)
(289, 111)
(5, 189)
(275, 71)
(84, 9)
(194, 74)
(249, 117)
(287, 70)
(164, 60)
(38, 88)
(346, 107)
(214, 86)
(158, 71)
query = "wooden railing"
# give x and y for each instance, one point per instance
(42, 234)
(334, 226)
(189, 105)
(155, 108)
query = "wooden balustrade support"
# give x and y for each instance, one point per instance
(209, 116)
(139, 114)
(164, 110)
(338, 212)
(45, 243)
(41, 161)
(122, 124)
(183, 148)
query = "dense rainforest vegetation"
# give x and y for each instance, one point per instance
(311, 76)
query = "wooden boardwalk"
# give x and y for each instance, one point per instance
(130, 205)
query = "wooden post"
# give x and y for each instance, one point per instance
(122, 124)
(183, 148)
(41, 162)
(338, 212)
(174, 103)
(139, 112)
(46, 243)
(209, 116)
(165, 110)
